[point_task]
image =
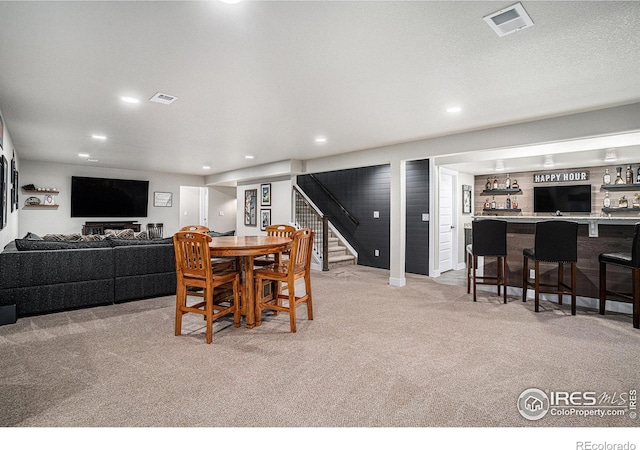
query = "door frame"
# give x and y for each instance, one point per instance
(455, 204)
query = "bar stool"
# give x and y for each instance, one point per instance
(489, 239)
(629, 261)
(556, 241)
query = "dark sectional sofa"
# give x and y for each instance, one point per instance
(42, 277)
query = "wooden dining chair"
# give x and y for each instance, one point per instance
(297, 266)
(275, 230)
(195, 228)
(218, 263)
(194, 270)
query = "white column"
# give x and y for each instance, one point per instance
(398, 223)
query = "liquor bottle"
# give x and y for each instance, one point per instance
(495, 183)
(514, 184)
(606, 179)
(638, 176)
(622, 202)
(487, 186)
(636, 200)
(629, 175)
(607, 200)
(487, 204)
(493, 202)
(619, 179)
(508, 202)
(514, 203)
(507, 183)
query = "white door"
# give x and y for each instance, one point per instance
(445, 219)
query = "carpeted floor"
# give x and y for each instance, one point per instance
(424, 355)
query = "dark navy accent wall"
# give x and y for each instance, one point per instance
(417, 231)
(361, 191)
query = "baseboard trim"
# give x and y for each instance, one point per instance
(397, 282)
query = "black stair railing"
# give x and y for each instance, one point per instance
(334, 200)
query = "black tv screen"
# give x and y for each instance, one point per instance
(574, 198)
(105, 197)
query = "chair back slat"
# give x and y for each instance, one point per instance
(280, 230)
(193, 257)
(556, 241)
(195, 228)
(301, 248)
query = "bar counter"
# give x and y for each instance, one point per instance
(595, 235)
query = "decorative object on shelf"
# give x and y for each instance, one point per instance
(619, 179)
(31, 201)
(487, 204)
(636, 200)
(508, 202)
(487, 187)
(29, 187)
(265, 218)
(162, 199)
(515, 185)
(466, 199)
(606, 179)
(629, 179)
(607, 200)
(493, 203)
(265, 196)
(250, 200)
(495, 183)
(622, 202)
(514, 203)
(638, 176)
(507, 183)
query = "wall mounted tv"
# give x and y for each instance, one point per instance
(573, 198)
(106, 197)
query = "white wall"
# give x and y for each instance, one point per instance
(10, 231)
(222, 199)
(280, 205)
(189, 206)
(43, 174)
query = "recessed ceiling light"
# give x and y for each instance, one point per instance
(130, 100)
(454, 109)
(249, 157)
(99, 137)
(92, 160)
(548, 161)
(321, 140)
(83, 155)
(610, 155)
(206, 167)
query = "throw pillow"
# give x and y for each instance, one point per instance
(92, 237)
(140, 235)
(32, 237)
(62, 237)
(119, 234)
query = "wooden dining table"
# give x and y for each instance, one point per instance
(248, 247)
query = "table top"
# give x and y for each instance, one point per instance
(248, 245)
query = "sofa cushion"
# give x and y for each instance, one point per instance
(126, 242)
(62, 237)
(221, 233)
(28, 245)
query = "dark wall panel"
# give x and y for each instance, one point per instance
(417, 231)
(361, 191)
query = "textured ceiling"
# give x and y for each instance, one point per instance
(265, 78)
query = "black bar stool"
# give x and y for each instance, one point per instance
(629, 261)
(556, 241)
(489, 239)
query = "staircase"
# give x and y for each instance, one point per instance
(338, 254)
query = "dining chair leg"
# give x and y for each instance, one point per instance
(236, 301)
(181, 293)
(208, 295)
(258, 301)
(603, 287)
(573, 289)
(525, 278)
(536, 286)
(504, 277)
(560, 282)
(307, 291)
(292, 307)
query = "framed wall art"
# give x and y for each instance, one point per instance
(162, 199)
(3, 191)
(265, 218)
(466, 199)
(250, 204)
(1, 132)
(265, 197)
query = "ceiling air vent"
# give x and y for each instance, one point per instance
(163, 98)
(509, 20)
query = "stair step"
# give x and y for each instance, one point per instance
(341, 258)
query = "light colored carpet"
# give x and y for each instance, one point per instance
(424, 355)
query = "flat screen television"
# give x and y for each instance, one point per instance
(573, 198)
(106, 197)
